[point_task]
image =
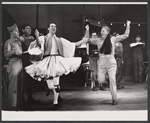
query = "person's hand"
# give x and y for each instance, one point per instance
(87, 27)
(128, 23)
(36, 33)
(21, 38)
(18, 52)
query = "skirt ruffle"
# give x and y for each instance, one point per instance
(53, 66)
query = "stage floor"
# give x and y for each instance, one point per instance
(79, 98)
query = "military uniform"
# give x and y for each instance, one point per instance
(138, 62)
(14, 70)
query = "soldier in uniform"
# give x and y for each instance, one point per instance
(138, 59)
(13, 51)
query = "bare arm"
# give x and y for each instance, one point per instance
(80, 42)
(37, 38)
(93, 41)
(84, 39)
(125, 35)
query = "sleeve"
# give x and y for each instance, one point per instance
(122, 37)
(8, 51)
(68, 48)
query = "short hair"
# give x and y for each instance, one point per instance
(93, 32)
(24, 25)
(51, 23)
(115, 33)
(138, 36)
(107, 28)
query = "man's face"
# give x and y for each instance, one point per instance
(27, 30)
(104, 32)
(138, 39)
(52, 28)
(94, 35)
(15, 33)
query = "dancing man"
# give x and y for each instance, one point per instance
(107, 62)
(58, 60)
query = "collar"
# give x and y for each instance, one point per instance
(14, 39)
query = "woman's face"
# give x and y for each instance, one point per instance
(52, 28)
(104, 32)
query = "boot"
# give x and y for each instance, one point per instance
(114, 102)
(102, 88)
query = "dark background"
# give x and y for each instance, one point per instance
(70, 20)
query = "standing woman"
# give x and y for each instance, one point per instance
(107, 62)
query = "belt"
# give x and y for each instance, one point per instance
(106, 55)
(51, 55)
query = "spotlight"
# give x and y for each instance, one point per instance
(111, 24)
(86, 20)
(138, 24)
(124, 24)
(98, 22)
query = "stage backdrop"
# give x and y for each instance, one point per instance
(70, 21)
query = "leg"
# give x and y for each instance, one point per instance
(54, 85)
(140, 65)
(12, 89)
(119, 73)
(87, 72)
(135, 65)
(112, 79)
(94, 79)
(15, 94)
(101, 75)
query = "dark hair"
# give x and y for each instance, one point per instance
(24, 25)
(115, 33)
(138, 36)
(51, 23)
(107, 46)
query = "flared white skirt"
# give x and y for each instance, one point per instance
(53, 66)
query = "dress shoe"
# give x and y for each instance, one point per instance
(120, 87)
(94, 89)
(114, 102)
(56, 106)
(140, 82)
(48, 92)
(102, 88)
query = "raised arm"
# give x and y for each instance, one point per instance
(125, 35)
(37, 38)
(87, 35)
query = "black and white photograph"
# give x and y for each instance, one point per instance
(75, 61)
